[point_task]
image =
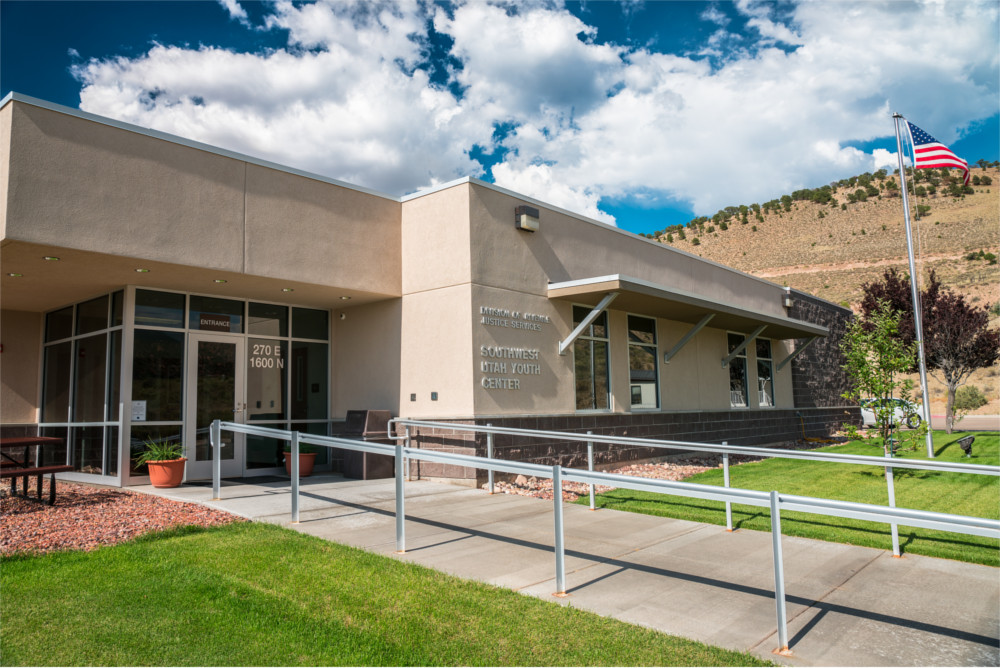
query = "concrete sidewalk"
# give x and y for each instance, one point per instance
(848, 606)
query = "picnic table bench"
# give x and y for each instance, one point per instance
(21, 468)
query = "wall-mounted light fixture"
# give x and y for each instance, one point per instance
(526, 218)
(788, 297)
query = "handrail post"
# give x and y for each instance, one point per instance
(725, 481)
(489, 455)
(559, 544)
(215, 439)
(400, 505)
(893, 527)
(590, 467)
(779, 576)
(406, 462)
(295, 476)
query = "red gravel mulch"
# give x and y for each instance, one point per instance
(85, 518)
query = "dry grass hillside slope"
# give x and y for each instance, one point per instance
(831, 250)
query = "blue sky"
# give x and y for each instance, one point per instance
(638, 114)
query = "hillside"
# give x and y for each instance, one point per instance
(833, 254)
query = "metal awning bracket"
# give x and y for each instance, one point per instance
(687, 338)
(591, 317)
(740, 348)
(795, 353)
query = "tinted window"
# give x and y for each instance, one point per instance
(159, 309)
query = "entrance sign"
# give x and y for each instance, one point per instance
(214, 323)
(139, 411)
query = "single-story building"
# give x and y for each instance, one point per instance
(151, 284)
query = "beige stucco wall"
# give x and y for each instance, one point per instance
(567, 248)
(128, 194)
(366, 363)
(310, 231)
(435, 240)
(20, 334)
(436, 353)
(506, 384)
(5, 120)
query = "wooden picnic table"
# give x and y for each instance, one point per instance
(15, 468)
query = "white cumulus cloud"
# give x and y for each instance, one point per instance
(765, 105)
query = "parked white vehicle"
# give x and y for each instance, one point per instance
(903, 412)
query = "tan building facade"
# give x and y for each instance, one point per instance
(151, 284)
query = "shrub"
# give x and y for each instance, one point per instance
(969, 398)
(696, 241)
(923, 209)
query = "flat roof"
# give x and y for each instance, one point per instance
(639, 296)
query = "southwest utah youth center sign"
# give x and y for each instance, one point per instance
(503, 367)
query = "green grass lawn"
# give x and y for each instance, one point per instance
(959, 494)
(256, 594)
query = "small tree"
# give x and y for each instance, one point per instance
(875, 356)
(957, 338)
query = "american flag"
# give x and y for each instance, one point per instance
(929, 153)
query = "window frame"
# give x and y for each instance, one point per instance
(656, 358)
(588, 336)
(746, 372)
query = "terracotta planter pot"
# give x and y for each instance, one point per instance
(306, 462)
(167, 472)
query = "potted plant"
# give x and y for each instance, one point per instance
(165, 460)
(307, 459)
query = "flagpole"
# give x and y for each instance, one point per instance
(917, 317)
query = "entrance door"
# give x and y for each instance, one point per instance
(215, 373)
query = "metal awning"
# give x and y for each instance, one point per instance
(639, 296)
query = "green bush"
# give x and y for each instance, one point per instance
(969, 398)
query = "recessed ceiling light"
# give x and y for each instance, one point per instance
(14, 274)
(288, 289)
(51, 258)
(142, 271)
(221, 280)
(345, 298)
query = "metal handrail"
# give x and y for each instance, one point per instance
(902, 516)
(865, 460)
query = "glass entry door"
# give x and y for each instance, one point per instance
(216, 391)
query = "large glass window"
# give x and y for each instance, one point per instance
(642, 362)
(81, 384)
(59, 324)
(267, 320)
(91, 374)
(765, 373)
(92, 316)
(159, 309)
(267, 379)
(737, 373)
(590, 359)
(309, 323)
(55, 395)
(310, 394)
(157, 376)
